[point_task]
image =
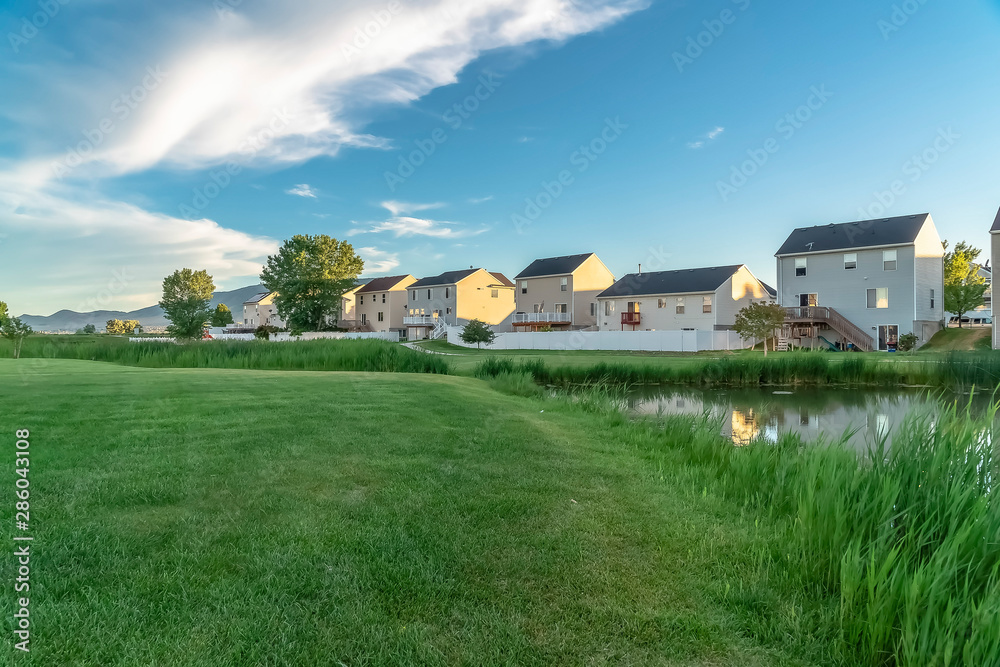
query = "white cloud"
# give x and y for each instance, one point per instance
(480, 200)
(268, 85)
(403, 226)
(378, 261)
(401, 207)
(711, 135)
(302, 190)
(87, 253)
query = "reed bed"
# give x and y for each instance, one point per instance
(315, 355)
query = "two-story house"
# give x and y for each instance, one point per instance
(994, 258)
(862, 283)
(380, 304)
(560, 292)
(260, 310)
(454, 298)
(686, 299)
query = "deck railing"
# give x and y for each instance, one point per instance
(852, 332)
(532, 318)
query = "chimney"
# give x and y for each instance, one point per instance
(640, 269)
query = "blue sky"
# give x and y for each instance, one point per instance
(137, 138)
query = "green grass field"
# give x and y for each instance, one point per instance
(225, 517)
(964, 339)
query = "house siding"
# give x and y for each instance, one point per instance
(994, 258)
(582, 287)
(738, 292)
(393, 309)
(471, 298)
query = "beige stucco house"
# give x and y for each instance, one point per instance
(705, 299)
(454, 298)
(380, 304)
(260, 310)
(560, 292)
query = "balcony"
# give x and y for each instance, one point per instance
(525, 319)
(421, 320)
(631, 319)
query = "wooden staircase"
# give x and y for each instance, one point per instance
(830, 317)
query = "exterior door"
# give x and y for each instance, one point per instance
(808, 300)
(888, 335)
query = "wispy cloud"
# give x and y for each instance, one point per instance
(378, 261)
(479, 200)
(524, 139)
(709, 136)
(402, 207)
(302, 190)
(406, 226)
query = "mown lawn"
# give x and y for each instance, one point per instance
(228, 517)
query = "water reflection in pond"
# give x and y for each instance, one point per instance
(748, 414)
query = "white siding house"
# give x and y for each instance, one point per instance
(705, 299)
(994, 256)
(864, 283)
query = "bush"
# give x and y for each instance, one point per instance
(906, 342)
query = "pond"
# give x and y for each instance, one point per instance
(813, 413)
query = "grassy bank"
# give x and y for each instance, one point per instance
(222, 517)
(316, 355)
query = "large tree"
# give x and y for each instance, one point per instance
(310, 275)
(759, 320)
(964, 288)
(13, 329)
(186, 295)
(222, 316)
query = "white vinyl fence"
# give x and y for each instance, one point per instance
(638, 341)
(391, 336)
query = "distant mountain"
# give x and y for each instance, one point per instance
(151, 316)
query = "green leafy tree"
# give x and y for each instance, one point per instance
(759, 320)
(13, 329)
(477, 332)
(964, 288)
(186, 295)
(310, 275)
(222, 316)
(89, 329)
(906, 342)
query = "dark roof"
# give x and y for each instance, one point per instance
(682, 281)
(767, 288)
(382, 284)
(501, 278)
(446, 278)
(553, 266)
(256, 298)
(861, 234)
(996, 224)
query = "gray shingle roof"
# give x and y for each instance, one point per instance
(553, 266)
(382, 284)
(446, 278)
(996, 224)
(848, 235)
(256, 298)
(682, 281)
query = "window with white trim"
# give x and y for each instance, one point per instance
(679, 308)
(563, 284)
(888, 260)
(800, 267)
(561, 308)
(877, 297)
(850, 260)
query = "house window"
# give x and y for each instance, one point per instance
(524, 287)
(447, 311)
(932, 298)
(800, 267)
(364, 318)
(706, 304)
(563, 284)
(561, 308)
(447, 292)
(380, 318)
(878, 297)
(679, 308)
(538, 307)
(383, 297)
(494, 294)
(661, 303)
(607, 308)
(888, 260)
(428, 294)
(593, 309)
(806, 300)
(633, 306)
(414, 294)
(850, 260)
